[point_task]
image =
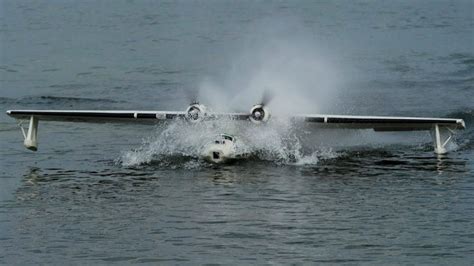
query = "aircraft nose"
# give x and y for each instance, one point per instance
(216, 156)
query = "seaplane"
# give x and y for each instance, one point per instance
(223, 149)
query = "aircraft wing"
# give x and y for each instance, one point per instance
(441, 128)
(378, 123)
(381, 123)
(112, 116)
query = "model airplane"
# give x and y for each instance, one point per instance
(223, 148)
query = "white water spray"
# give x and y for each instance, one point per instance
(276, 142)
(274, 57)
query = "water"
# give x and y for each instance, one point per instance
(136, 193)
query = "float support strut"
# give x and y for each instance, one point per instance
(31, 137)
(442, 135)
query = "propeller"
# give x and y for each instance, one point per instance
(259, 113)
(195, 111)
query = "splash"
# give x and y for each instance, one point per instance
(180, 144)
(303, 77)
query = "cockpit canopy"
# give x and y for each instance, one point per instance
(223, 138)
(228, 137)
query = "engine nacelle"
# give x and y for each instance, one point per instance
(259, 114)
(195, 112)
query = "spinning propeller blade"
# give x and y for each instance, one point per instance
(267, 97)
(192, 96)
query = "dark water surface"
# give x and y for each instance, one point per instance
(106, 193)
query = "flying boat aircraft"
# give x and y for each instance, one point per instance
(223, 148)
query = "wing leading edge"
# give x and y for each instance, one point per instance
(94, 116)
(382, 123)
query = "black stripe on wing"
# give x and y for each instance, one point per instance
(390, 120)
(95, 116)
(380, 123)
(72, 114)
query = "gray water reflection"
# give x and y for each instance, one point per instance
(252, 211)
